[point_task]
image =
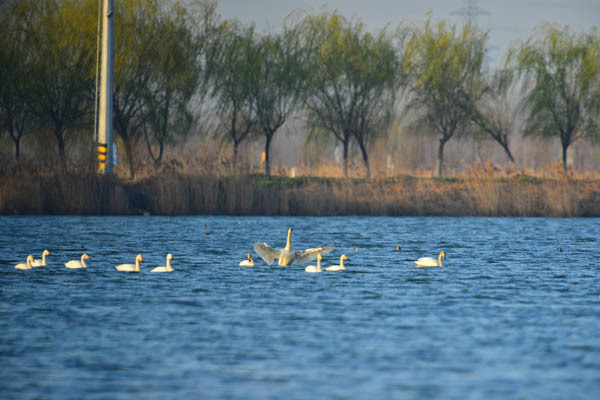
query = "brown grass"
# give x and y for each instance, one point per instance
(62, 193)
(210, 188)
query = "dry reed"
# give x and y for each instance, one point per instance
(179, 189)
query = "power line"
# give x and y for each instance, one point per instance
(470, 10)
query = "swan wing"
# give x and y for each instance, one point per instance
(266, 252)
(73, 264)
(312, 268)
(427, 262)
(303, 256)
(162, 269)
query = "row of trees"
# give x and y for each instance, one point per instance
(48, 68)
(173, 63)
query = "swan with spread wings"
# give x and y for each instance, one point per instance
(287, 255)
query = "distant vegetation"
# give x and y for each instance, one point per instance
(184, 76)
(483, 193)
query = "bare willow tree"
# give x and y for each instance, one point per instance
(158, 49)
(175, 80)
(352, 81)
(16, 117)
(277, 66)
(561, 73)
(61, 38)
(134, 56)
(445, 65)
(232, 86)
(494, 111)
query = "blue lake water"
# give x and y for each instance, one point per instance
(506, 317)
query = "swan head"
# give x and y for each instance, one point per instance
(319, 257)
(45, 253)
(139, 258)
(344, 257)
(30, 259)
(85, 257)
(443, 254)
(397, 248)
(249, 257)
(169, 256)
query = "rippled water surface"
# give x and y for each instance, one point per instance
(507, 317)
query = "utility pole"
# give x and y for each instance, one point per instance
(470, 11)
(105, 124)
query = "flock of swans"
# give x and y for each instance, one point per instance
(285, 257)
(77, 264)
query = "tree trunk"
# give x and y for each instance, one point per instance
(365, 156)
(345, 161)
(129, 151)
(564, 156)
(61, 147)
(508, 153)
(161, 149)
(440, 160)
(235, 142)
(17, 139)
(149, 146)
(267, 160)
(18, 149)
(235, 156)
(165, 129)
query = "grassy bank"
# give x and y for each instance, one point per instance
(180, 194)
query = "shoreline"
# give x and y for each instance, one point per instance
(256, 194)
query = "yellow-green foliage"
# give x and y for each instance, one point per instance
(561, 71)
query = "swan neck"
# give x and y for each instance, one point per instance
(83, 262)
(288, 243)
(137, 264)
(440, 260)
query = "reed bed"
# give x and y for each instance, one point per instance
(482, 192)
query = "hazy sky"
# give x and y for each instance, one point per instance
(508, 20)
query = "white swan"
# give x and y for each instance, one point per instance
(42, 263)
(340, 267)
(131, 267)
(247, 263)
(75, 264)
(25, 266)
(166, 268)
(286, 255)
(430, 261)
(315, 268)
